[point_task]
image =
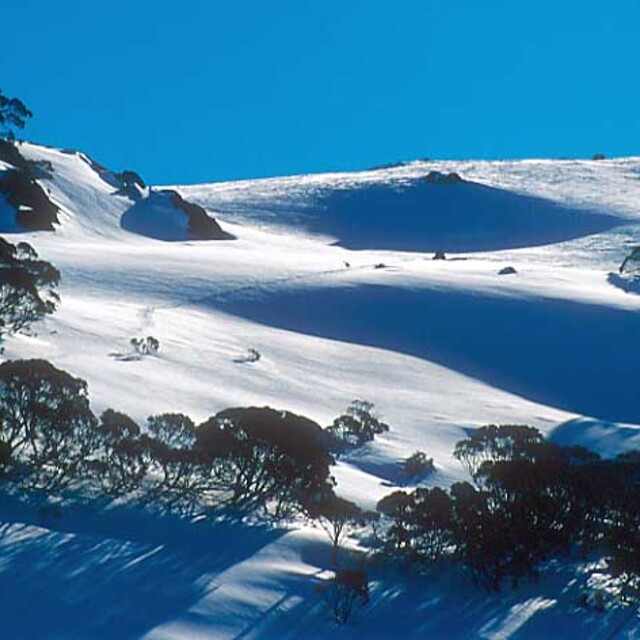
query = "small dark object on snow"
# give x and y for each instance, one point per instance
(418, 465)
(130, 179)
(436, 177)
(145, 346)
(380, 265)
(347, 264)
(599, 156)
(633, 257)
(253, 355)
(505, 271)
(439, 255)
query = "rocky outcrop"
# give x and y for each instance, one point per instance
(201, 224)
(10, 154)
(436, 177)
(164, 214)
(34, 209)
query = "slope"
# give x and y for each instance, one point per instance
(439, 346)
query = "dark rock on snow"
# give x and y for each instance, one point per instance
(436, 177)
(34, 210)
(505, 271)
(201, 224)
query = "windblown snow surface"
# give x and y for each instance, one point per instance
(331, 279)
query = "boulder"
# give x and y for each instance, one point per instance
(506, 271)
(437, 177)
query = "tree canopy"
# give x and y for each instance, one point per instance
(13, 115)
(28, 287)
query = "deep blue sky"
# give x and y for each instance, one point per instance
(204, 90)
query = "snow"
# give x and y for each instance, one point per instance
(156, 217)
(439, 346)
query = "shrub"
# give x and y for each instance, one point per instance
(145, 346)
(336, 516)
(348, 587)
(417, 465)
(421, 524)
(252, 355)
(356, 426)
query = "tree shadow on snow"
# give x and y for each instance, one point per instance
(443, 602)
(116, 575)
(628, 283)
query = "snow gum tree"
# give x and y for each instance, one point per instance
(47, 428)
(13, 115)
(28, 287)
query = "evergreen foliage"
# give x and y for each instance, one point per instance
(357, 426)
(13, 115)
(28, 287)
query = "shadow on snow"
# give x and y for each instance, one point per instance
(577, 357)
(414, 215)
(452, 218)
(114, 574)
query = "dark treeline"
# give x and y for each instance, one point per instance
(530, 501)
(250, 458)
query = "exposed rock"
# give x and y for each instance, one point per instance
(599, 156)
(439, 255)
(389, 165)
(130, 178)
(34, 210)
(96, 166)
(201, 224)
(506, 271)
(41, 169)
(10, 154)
(437, 177)
(164, 215)
(37, 169)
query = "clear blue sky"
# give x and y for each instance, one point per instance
(204, 90)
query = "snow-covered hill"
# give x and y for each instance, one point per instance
(331, 279)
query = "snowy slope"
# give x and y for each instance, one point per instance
(439, 346)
